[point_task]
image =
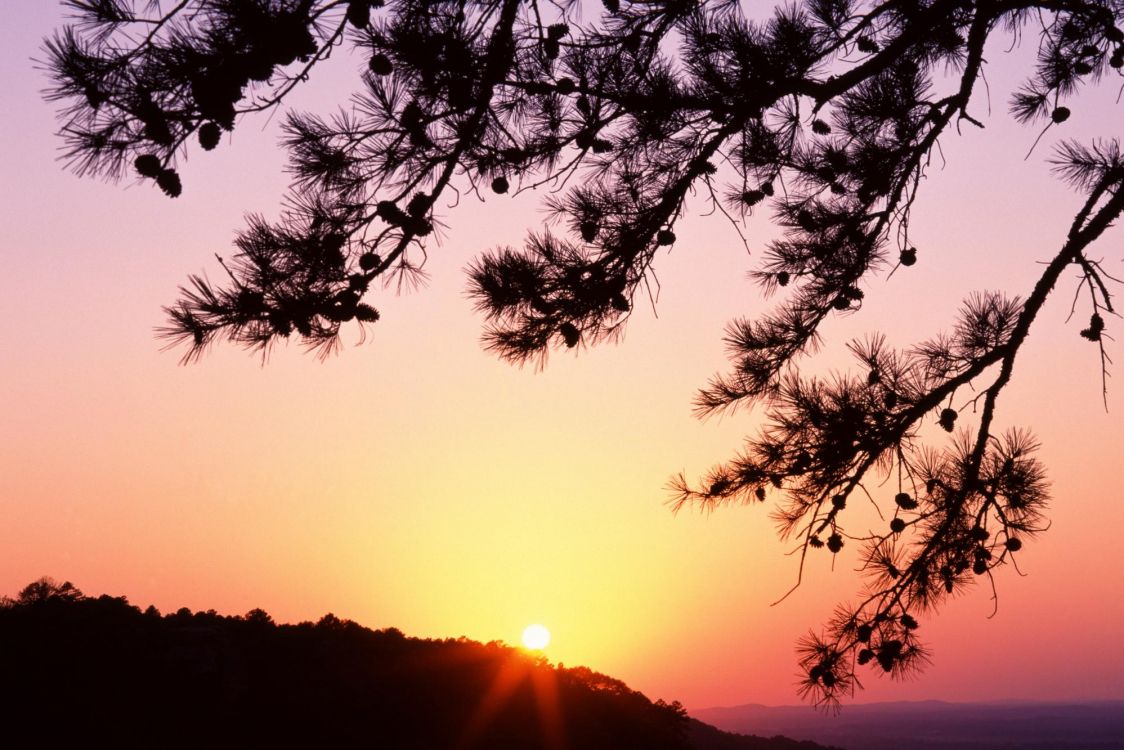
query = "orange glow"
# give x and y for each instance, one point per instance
(508, 680)
(549, 708)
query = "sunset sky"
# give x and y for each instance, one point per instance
(416, 481)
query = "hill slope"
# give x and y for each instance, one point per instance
(78, 669)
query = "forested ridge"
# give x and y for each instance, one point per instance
(82, 668)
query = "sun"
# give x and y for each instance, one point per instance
(536, 637)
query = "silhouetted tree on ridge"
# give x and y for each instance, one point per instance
(80, 668)
(828, 113)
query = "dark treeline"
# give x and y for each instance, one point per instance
(79, 668)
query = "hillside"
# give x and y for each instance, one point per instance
(78, 669)
(703, 736)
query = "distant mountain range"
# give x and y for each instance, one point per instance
(79, 671)
(935, 725)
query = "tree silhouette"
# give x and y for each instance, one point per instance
(827, 113)
(72, 662)
(47, 590)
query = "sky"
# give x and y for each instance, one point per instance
(415, 481)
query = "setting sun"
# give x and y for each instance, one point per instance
(536, 637)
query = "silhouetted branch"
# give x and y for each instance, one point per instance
(827, 114)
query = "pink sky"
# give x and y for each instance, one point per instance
(416, 482)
